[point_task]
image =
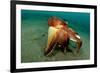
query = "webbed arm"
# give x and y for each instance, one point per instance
(52, 38)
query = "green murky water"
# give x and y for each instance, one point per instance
(34, 33)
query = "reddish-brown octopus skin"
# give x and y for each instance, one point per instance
(64, 33)
(61, 39)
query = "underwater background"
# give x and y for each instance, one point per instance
(34, 35)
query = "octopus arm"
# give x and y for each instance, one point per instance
(72, 31)
(52, 38)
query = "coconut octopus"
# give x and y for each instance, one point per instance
(59, 34)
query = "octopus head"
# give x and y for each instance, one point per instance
(54, 21)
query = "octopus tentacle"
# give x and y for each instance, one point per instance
(50, 48)
(79, 44)
(76, 38)
(52, 38)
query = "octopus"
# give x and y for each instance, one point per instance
(59, 34)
